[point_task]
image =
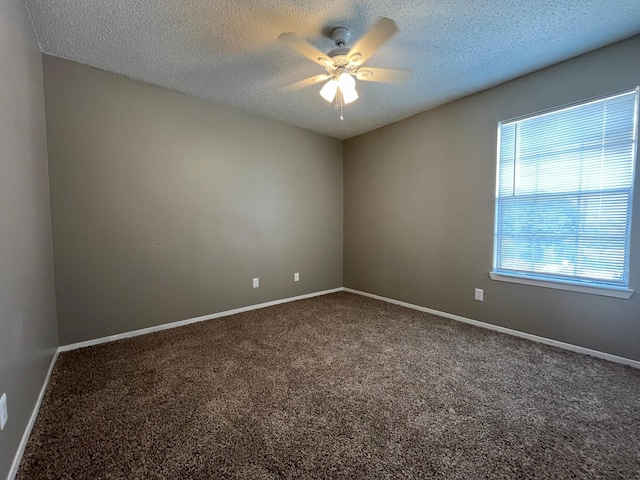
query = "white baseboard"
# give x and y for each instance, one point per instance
(535, 338)
(181, 323)
(32, 420)
(27, 433)
(508, 331)
(477, 323)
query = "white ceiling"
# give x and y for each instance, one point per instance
(226, 50)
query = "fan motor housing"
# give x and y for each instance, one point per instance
(338, 52)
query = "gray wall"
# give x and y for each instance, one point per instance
(419, 210)
(28, 336)
(165, 207)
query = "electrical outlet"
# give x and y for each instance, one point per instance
(3, 411)
(256, 282)
(296, 277)
(479, 295)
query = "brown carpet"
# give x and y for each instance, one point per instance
(338, 386)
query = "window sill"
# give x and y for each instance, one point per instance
(607, 292)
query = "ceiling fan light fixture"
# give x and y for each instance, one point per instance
(346, 81)
(349, 95)
(347, 85)
(328, 92)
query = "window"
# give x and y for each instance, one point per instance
(564, 195)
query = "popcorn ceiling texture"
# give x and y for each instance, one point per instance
(226, 51)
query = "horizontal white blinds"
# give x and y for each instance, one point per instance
(564, 193)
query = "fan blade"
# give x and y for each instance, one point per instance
(305, 49)
(382, 31)
(307, 82)
(383, 75)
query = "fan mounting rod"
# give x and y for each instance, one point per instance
(341, 36)
(338, 55)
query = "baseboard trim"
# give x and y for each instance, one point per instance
(189, 321)
(516, 333)
(32, 420)
(508, 331)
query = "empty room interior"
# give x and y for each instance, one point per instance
(286, 239)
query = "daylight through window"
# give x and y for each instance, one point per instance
(564, 193)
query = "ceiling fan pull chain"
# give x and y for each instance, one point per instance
(339, 103)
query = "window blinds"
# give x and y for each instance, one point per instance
(564, 193)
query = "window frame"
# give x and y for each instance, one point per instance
(557, 283)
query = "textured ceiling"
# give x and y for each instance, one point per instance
(226, 50)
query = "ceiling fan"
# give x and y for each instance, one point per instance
(343, 64)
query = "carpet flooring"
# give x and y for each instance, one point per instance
(338, 386)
